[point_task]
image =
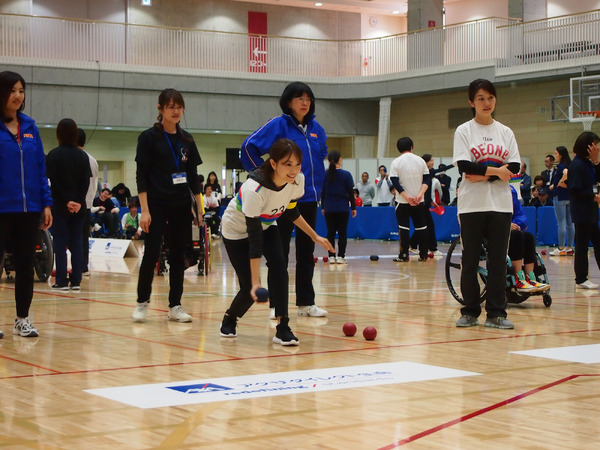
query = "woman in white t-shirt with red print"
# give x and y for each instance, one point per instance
(249, 230)
(487, 155)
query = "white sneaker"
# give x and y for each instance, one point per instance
(140, 312)
(177, 314)
(437, 253)
(311, 311)
(587, 284)
(558, 252)
(24, 327)
(272, 314)
(333, 260)
(341, 260)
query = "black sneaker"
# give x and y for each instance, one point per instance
(57, 287)
(284, 335)
(228, 326)
(401, 258)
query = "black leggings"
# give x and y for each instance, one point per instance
(277, 275)
(176, 220)
(305, 248)
(405, 212)
(521, 246)
(20, 229)
(584, 233)
(337, 222)
(493, 227)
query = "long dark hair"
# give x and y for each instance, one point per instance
(333, 157)
(67, 132)
(477, 84)
(164, 98)
(564, 155)
(281, 150)
(8, 80)
(583, 141)
(294, 90)
(208, 182)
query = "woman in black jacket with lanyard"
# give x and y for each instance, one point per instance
(167, 160)
(584, 176)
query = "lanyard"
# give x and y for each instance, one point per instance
(175, 155)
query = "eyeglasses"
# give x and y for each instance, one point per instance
(303, 99)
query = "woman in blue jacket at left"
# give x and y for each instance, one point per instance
(24, 192)
(297, 123)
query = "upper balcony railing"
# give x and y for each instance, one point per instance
(510, 43)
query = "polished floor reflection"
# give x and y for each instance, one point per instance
(506, 397)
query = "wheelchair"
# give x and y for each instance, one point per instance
(197, 251)
(43, 263)
(453, 268)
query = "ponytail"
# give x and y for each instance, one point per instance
(333, 157)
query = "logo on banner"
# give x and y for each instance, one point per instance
(199, 388)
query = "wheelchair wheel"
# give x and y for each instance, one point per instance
(44, 256)
(453, 270)
(204, 257)
(547, 299)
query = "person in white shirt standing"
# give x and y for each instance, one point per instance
(410, 176)
(89, 202)
(487, 156)
(384, 185)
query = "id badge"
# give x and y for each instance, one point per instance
(179, 178)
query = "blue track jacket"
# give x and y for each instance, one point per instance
(23, 183)
(314, 150)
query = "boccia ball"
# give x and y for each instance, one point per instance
(349, 329)
(262, 294)
(374, 258)
(543, 252)
(316, 259)
(370, 333)
(430, 254)
(325, 258)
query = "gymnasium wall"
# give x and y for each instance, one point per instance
(523, 106)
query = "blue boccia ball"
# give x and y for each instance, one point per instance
(262, 294)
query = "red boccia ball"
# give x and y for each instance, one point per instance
(349, 329)
(325, 258)
(316, 259)
(370, 333)
(543, 252)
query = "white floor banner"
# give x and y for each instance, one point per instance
(271, 384)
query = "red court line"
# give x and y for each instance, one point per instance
(195, 349)
(479, 412)
(28, 364)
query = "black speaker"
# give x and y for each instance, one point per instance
(232, 159)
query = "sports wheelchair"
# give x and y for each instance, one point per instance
(44, 257)
(453, 268)
(197, 251)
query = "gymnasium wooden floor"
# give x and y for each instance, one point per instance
(500, 400)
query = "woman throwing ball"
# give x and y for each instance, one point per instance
(249, 231)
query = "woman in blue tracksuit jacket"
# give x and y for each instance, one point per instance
(298, 124)
(24, 192)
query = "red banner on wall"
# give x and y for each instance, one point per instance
(257, 45)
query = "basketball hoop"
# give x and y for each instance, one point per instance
(587, 118)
